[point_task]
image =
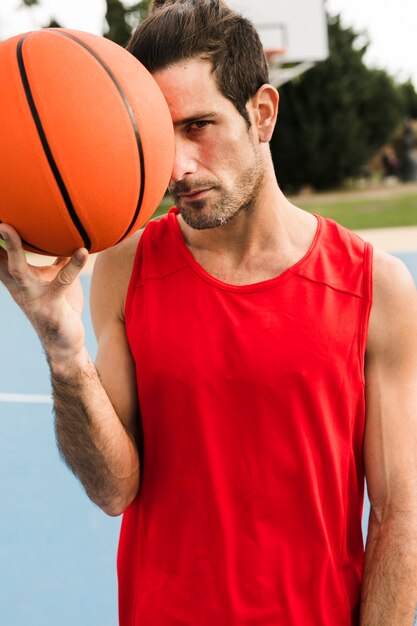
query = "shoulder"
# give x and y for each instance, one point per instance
(111, 275)
(394, 303)
(393, 285)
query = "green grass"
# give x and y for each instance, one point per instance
(397, 209)
(368, 213)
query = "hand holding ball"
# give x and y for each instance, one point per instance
(86, 141)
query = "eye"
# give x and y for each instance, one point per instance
(198, 125)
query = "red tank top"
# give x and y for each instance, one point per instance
(252, 405)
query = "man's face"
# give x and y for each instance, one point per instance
(218, 167)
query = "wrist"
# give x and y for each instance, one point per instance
(64, 362)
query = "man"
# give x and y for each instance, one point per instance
(226, 416)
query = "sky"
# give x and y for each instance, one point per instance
(391, 26)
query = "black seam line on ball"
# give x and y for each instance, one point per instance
(132, 119)
(48, 153)
(27, 243)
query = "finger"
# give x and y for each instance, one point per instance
(4, 261)
(4, 272)
(70, 271)
(61, 260)
(17, 266)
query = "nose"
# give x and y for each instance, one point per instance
(185, 161)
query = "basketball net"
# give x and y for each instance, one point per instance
(278, 74)
(275, 56)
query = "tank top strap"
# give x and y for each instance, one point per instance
(367, 300)
(157, 253)
(134, 276)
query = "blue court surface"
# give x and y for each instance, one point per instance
(57, 549)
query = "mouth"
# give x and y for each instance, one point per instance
(196, 194)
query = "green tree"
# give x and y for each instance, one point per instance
(122, 19)
(335, 117)
(409, 96)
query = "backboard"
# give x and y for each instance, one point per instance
(295, 29)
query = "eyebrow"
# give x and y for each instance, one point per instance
(195, 118)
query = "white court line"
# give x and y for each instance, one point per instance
(25, 397)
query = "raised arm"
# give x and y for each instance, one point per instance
(389, 593)
(93, 427)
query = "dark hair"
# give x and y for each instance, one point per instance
(178, 30)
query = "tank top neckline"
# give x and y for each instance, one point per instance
(258, 286)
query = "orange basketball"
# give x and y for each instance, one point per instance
(86, 141)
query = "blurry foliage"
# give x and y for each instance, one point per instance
(335, 117)
(409, 96)
(122, 19)
(53, 24)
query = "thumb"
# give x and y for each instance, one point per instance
(70, 271)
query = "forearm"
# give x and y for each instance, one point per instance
(91, 437)
(389, 589)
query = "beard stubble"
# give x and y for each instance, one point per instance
(205, 213)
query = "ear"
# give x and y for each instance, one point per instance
(263, 109)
